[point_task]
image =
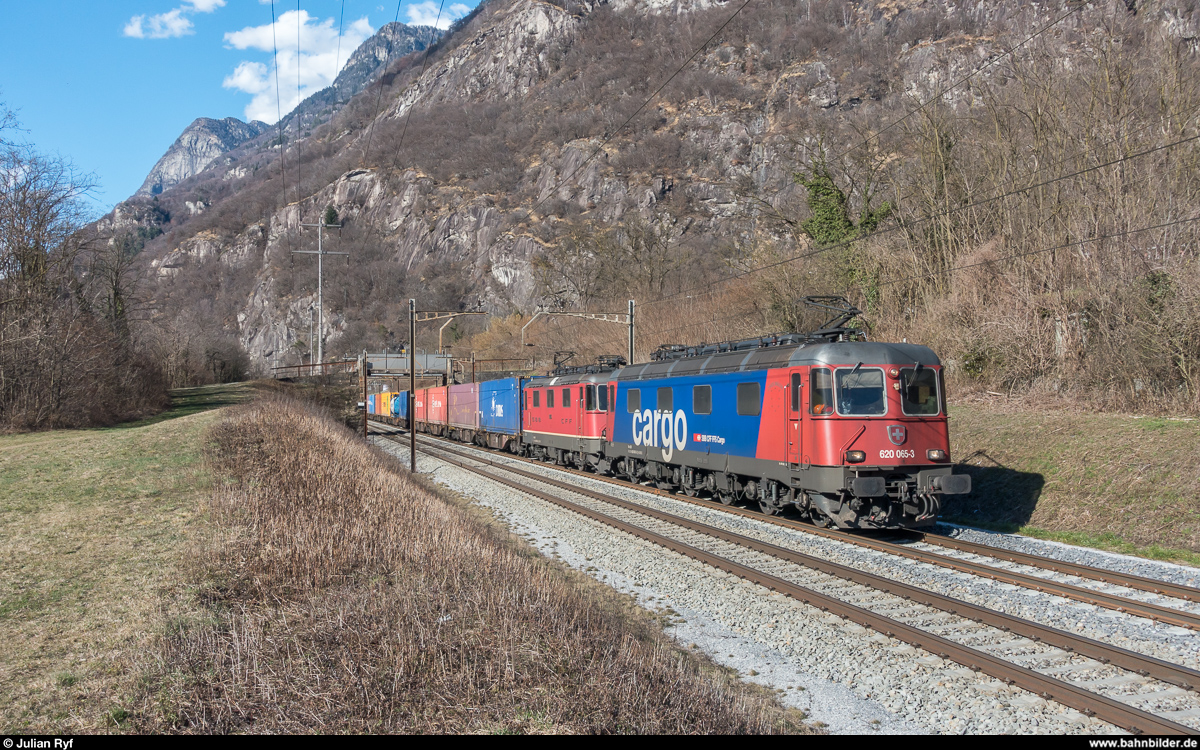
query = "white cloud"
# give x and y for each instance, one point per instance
(171, 24)
(426, 14)
(161, 26)
(313, 64)
(250, 77)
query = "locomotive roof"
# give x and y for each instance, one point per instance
(809, 354)
(542, 381)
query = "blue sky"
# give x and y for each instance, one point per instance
(109, 86)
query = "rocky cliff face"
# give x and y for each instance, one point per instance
(199, 145)
(512, 138)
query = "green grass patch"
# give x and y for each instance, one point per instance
(92, 526)
(1109, 481)
(188, 401)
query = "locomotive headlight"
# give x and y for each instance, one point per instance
(894, 373)
(856, 457)
(935, 454)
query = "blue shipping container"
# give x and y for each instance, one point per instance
(370, 404)
(500, 406)
(400, 405)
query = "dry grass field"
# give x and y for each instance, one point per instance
(333, 593)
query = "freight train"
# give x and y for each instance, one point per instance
(850, 433)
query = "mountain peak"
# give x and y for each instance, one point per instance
(199, 144)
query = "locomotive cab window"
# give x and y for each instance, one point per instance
(702, 399)
(820, 396)
(591, 398)
(549, 398)
(749, 399)
(602, 391)
(796, 385)
(633, 400)
(860, 392)
(665, 402)
(537, 401)
(919, 391)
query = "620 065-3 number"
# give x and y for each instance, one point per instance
(889, 453)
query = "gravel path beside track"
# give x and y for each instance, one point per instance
(853, 680)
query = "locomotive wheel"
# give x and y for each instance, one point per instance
(726, 498)
(689, 491)
(767, 509)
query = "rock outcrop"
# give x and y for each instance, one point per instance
(199, 145)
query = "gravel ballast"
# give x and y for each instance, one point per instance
(846, 677)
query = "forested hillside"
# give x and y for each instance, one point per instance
(1013, 184)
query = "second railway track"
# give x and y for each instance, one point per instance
(1101, 671)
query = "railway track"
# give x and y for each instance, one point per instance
(966, 633)
(1157, 612)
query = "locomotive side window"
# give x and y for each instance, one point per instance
(796, 385)
(820, 396)
(603, 393)
(633, 400)
(749, 399)
(537, 401)
(942, 389)
(919, 391)
(566, 397)
(860, 392)
(702, 399)
(549, 398)
(665, 400)
(591, 398)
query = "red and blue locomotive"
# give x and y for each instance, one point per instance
(851, 433)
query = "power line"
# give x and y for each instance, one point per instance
(1073, 243)
(299, 114)
(942, 92)
(931, 217)
(279, 108)
(1013, 256)
(337, 59)
(424, 62)
(379, 96)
